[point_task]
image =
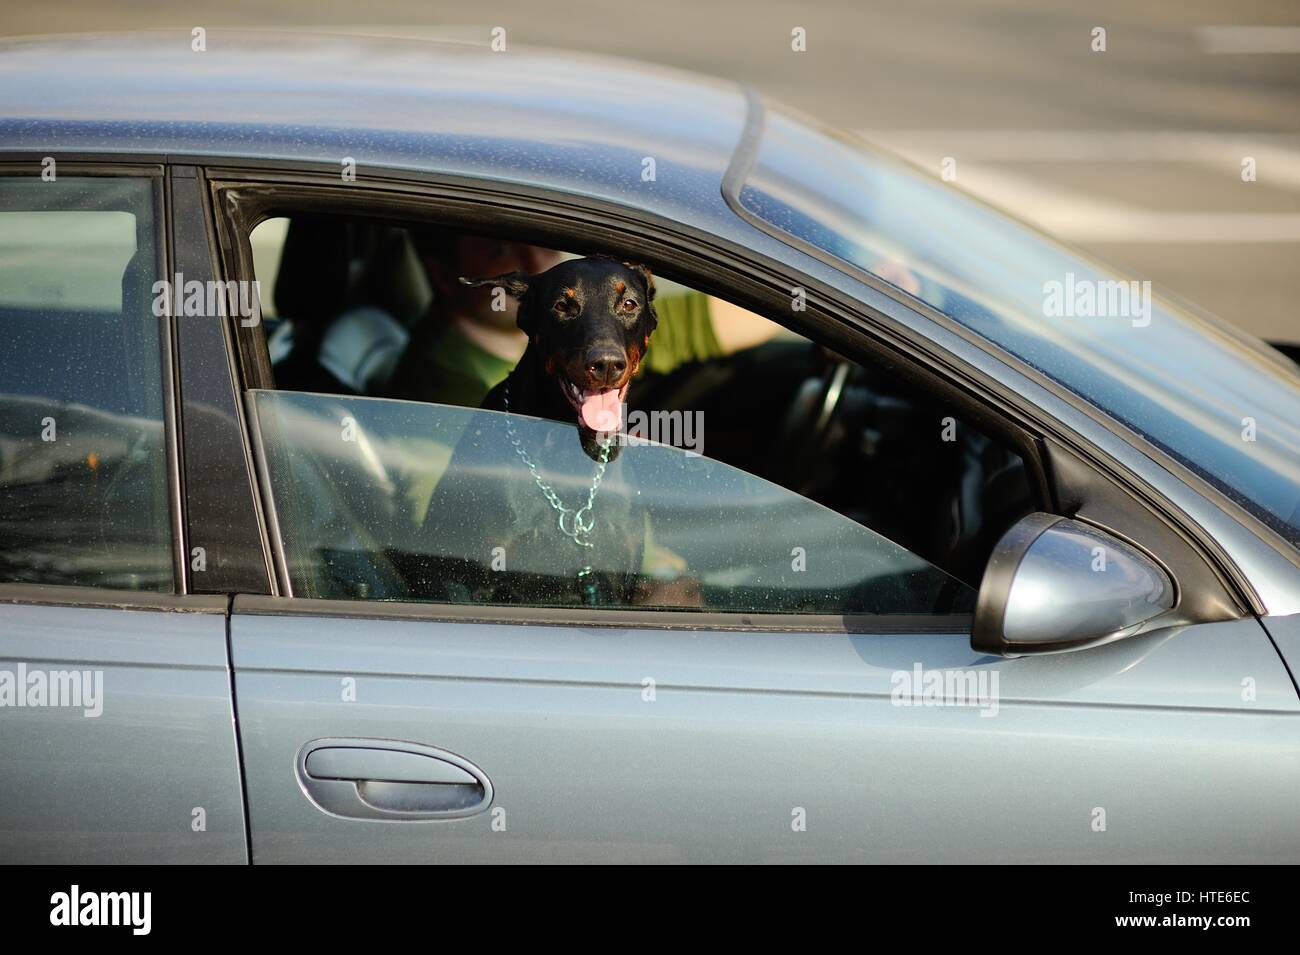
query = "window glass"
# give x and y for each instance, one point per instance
(1211, 397)
(396, 500)
(83, 497)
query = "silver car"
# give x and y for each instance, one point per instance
(985, 554)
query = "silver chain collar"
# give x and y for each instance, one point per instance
(583, 520)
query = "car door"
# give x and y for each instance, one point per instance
(116, 728)
(805, 700)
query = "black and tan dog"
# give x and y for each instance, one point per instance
(498, 536)
(588, 323)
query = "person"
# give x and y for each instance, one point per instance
(465, 347)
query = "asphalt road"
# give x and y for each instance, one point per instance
(1133, 153)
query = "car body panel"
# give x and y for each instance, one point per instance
(155, 777)
(738, 732)
(1285, 632)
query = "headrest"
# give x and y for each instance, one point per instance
(394, 278)
(314, 278)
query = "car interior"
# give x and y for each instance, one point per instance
(350, 295)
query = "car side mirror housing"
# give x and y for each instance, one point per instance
(1054, 584)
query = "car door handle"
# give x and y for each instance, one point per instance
(383, 765)
(390, 780)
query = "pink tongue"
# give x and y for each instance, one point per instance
(600, 411)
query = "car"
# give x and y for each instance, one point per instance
(988, 554)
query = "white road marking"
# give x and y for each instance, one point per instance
(1086, 218)
(1249, 39)
(1077, 145)
(985, 168)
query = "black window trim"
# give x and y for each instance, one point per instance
(245, 196)
(623, 619)
(214, 445)
(60, 595)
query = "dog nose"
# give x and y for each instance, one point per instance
(606, 366)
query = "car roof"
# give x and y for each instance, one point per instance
(592, 125)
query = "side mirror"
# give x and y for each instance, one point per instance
(1055, 584)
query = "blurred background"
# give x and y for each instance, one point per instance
(1134, 154)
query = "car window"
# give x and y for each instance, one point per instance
(1212, 398)
(863, 452)
(397, 500)
(83, 497)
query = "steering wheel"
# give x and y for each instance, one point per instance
(807, 426)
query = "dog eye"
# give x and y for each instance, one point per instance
(629, 304)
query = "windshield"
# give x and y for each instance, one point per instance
(1211, 398)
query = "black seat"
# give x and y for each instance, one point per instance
(312, 286)
(362, 346)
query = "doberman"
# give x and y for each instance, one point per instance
(521, 515)
(588, 323)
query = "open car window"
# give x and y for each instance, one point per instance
(395, 500)
(371, 309)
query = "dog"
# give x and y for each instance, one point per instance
(588, 323)
(493, 531)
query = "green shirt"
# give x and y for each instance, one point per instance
(462, 372)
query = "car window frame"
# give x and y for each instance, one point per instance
(293, 196)
(77, 166)
(247, 194)
(213, 435)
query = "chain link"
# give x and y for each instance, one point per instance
(582, 521)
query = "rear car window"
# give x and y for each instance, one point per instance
(83, 498)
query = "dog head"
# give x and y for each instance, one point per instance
(590, 322)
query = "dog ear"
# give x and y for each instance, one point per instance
(516, 284)
(644, 271)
